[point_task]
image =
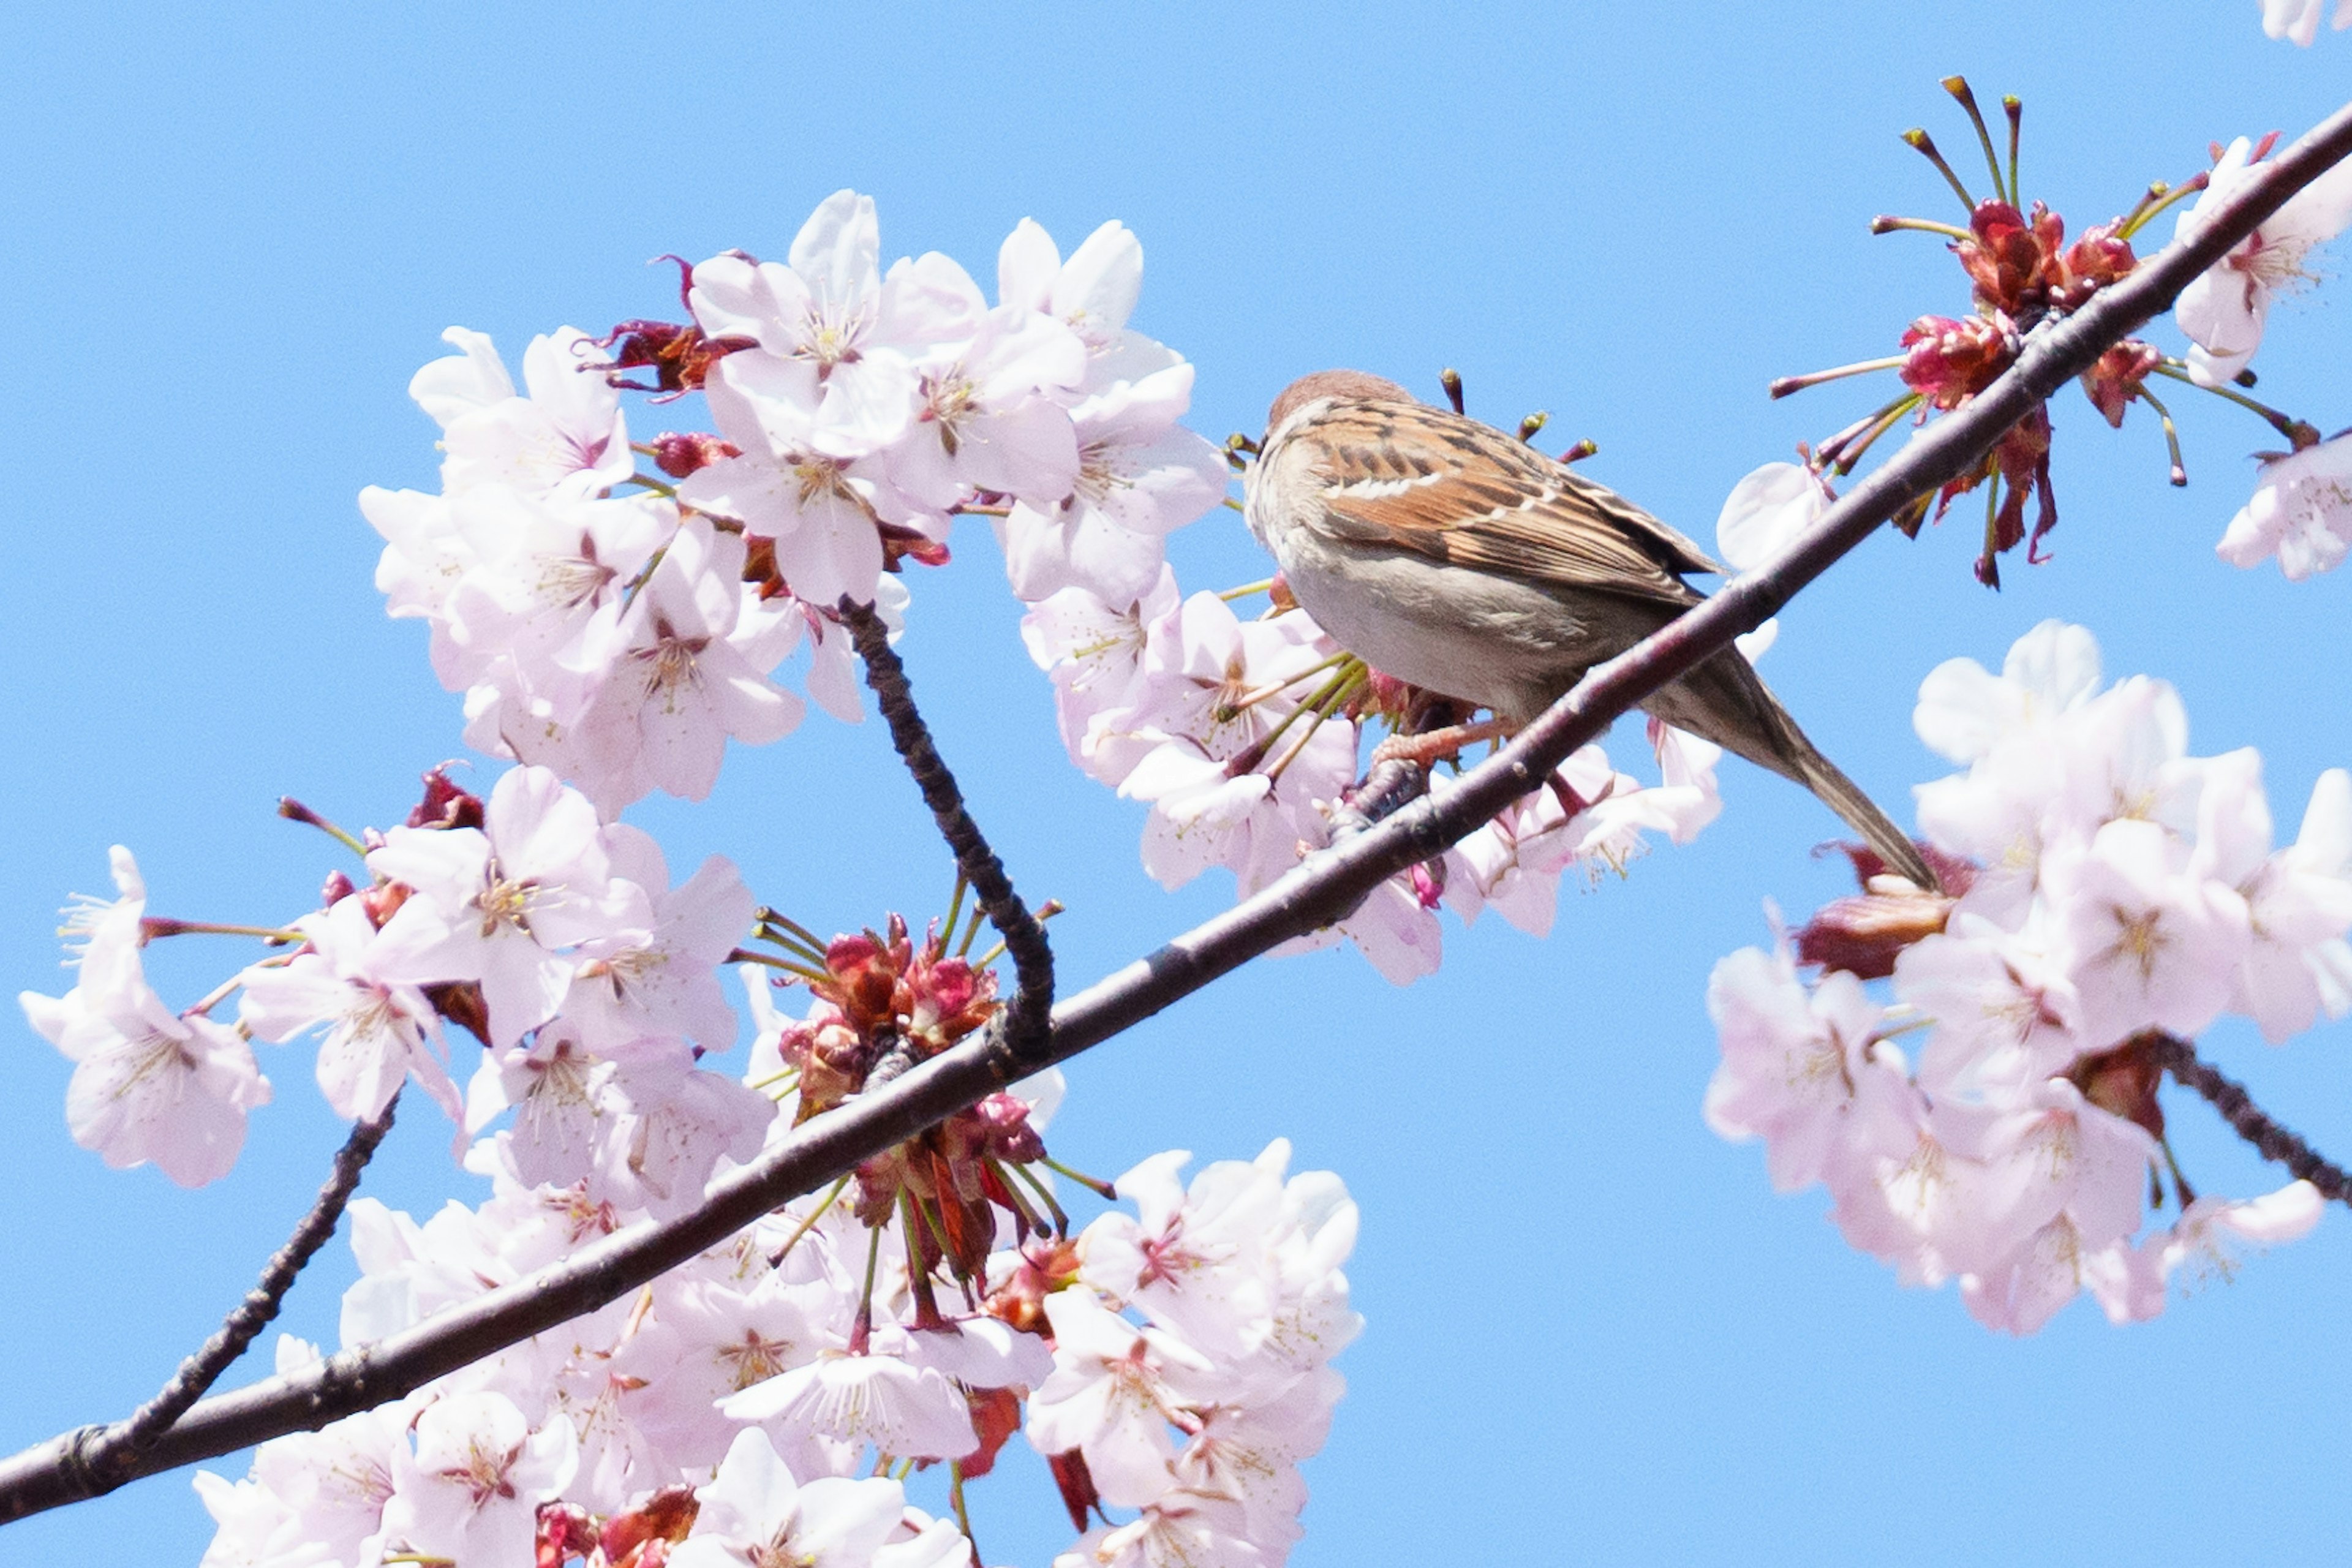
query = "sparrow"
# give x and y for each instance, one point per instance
(1456, 558)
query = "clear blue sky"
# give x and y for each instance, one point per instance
(232, 233)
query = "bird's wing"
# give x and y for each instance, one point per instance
(1435, 484)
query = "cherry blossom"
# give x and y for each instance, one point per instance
(2298, 900)
(2299, 19)
(471, 1490)
(379, 1032)
(1093, 294)
(2120, 890)
(992, 416)
(818, 315)
(822, 511)
(903, 1410)
(1809, 1072)
(1095, 652)
(754, 1513)
(1768, 509)
(500, 903)
(149, 1086)
(663, 980)
(1216, 692)
(2224, 310)
(2301, 513)
(567, 436)
(1141, 476)
(675, 676)
(323, 1492)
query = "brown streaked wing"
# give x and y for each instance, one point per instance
(1454, 490)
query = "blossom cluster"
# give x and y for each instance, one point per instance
(554, 937)
(619, 626)
(1198, 1415)
(768, 1401)
(612, 629)
(1245, 736)
(752, 1387)
(2104, 890)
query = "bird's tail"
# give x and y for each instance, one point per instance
(1725, 702)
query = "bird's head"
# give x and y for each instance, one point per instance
(1338, 385)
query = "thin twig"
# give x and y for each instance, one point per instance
(110, 1450)
(2250, 1121)
(1027, 1018)
(1325, 889)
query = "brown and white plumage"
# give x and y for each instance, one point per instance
(1452, 555)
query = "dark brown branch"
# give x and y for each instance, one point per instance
(2250, 1121)
(106, 1454)
(1028, 1017)
(1320, 892)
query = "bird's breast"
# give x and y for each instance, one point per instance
(1471, 636)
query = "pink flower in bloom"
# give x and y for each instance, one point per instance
(676, 1122)
(147, 1085)
(1093, 651)
(2047, 1152)
(1512, 864)
(754, 1515)
(1181, 1529)
(1964, 712)
(991, 416)
(2298, 900)
(1251, 1455)
(2003, 1006)
(567, 436)
(903, 1410)
(2224, 310)
(2301, 513)
(564, 1102)
(1805, 1071)
(471, 1492)
(663, 980)
(2153, 944)
(1216, 691)
(2202, 1237)
(673, 680)
(717, 1331)
(1192, 1260)
(2299, 19)
(540, 575)
(328, 1488)
(1093, 294)
(1110, 1398)
(498, 904)
(1140, 477)
(2120, 886)
(824, 511)
(379, 1032)
(818, 315)
(255, 1527)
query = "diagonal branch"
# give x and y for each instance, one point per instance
(107, 1454)
(2249, 1121)
(1028, 1017)
(1321, 890)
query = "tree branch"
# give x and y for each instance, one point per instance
(1028, 1016)
(106, 1454)
(1320, 892)
(2250, 1121)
